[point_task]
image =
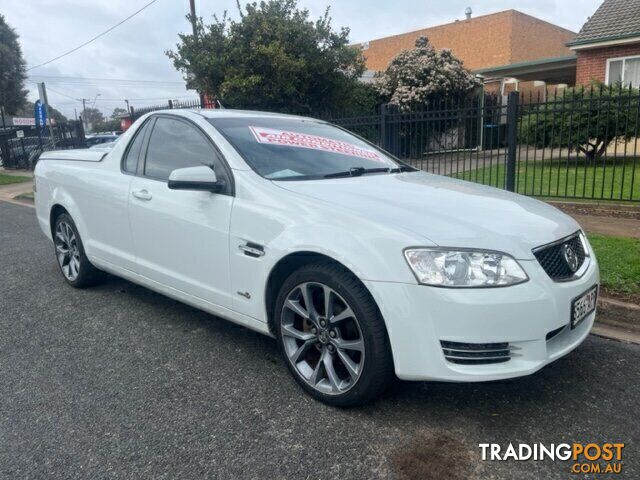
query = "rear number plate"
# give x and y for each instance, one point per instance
(583, 305)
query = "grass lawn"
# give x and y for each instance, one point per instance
(7, 179)
(617, 179)
(619, 260)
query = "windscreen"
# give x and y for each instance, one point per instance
(297, 149)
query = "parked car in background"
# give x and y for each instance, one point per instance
(92, 140)
(360, 266)
(104, 146)
(112, 132)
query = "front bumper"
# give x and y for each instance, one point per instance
(419, 317)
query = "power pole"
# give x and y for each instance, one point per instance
(192, 6)
(127, 102)
(84, 113)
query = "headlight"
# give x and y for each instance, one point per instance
(464, 268)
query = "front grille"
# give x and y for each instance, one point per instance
(476, 353)
(554, 258)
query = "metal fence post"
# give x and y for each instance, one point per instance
(512, 139)
(383, 126)
(39, 139)
(80, 138)
(4, 151)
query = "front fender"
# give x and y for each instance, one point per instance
(370, 255)
(371, 251)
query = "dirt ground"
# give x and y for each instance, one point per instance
(615, 220)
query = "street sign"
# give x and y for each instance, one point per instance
(19, 133)
(40, 114)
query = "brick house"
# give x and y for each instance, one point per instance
(510, 49)
(608, 45)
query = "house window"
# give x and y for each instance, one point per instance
(624, 70)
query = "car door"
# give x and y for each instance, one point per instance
(181, 237)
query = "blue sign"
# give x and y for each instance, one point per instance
(40, 113)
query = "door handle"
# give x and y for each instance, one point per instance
(251, 249)
(142, 194)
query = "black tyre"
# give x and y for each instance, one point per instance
(76, 268)
(332, 335)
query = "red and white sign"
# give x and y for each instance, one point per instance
(272, 136)
(26, 122)
(23, 122)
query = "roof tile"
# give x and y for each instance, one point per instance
(613, 19)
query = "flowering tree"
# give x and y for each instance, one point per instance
(415, 77)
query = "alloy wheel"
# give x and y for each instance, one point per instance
(322, 338)
(67, 251)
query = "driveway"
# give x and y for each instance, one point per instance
(119, 382)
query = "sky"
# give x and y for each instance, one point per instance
(129, 62)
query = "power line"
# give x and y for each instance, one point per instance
(113, 85)
(166, 97)
(71, 78)
(94, 38)
(63, 94)
(56, 91)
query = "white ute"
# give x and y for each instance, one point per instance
(362, 267)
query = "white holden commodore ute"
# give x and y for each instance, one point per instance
(362, 268)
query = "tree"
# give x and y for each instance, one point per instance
(93, 118)
(117, 113)
(584, 120)
(12, 70)
(423, 74)
(273, 58)
(99, 123)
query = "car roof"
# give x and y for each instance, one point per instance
(229, 113)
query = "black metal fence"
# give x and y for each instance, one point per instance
(577, 144)
(21, 146)
(581, 144)
(195, 103)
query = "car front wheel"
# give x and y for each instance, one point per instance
(332, 335)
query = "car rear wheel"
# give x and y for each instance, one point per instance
(70, 254)
(332, 335)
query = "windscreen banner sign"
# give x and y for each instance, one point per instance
(271, 136)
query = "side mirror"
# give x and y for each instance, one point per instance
(195, 178)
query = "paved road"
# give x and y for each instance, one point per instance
(119, 382)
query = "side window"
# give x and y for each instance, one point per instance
(130, 163)
(176, 144)
(615, 72)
